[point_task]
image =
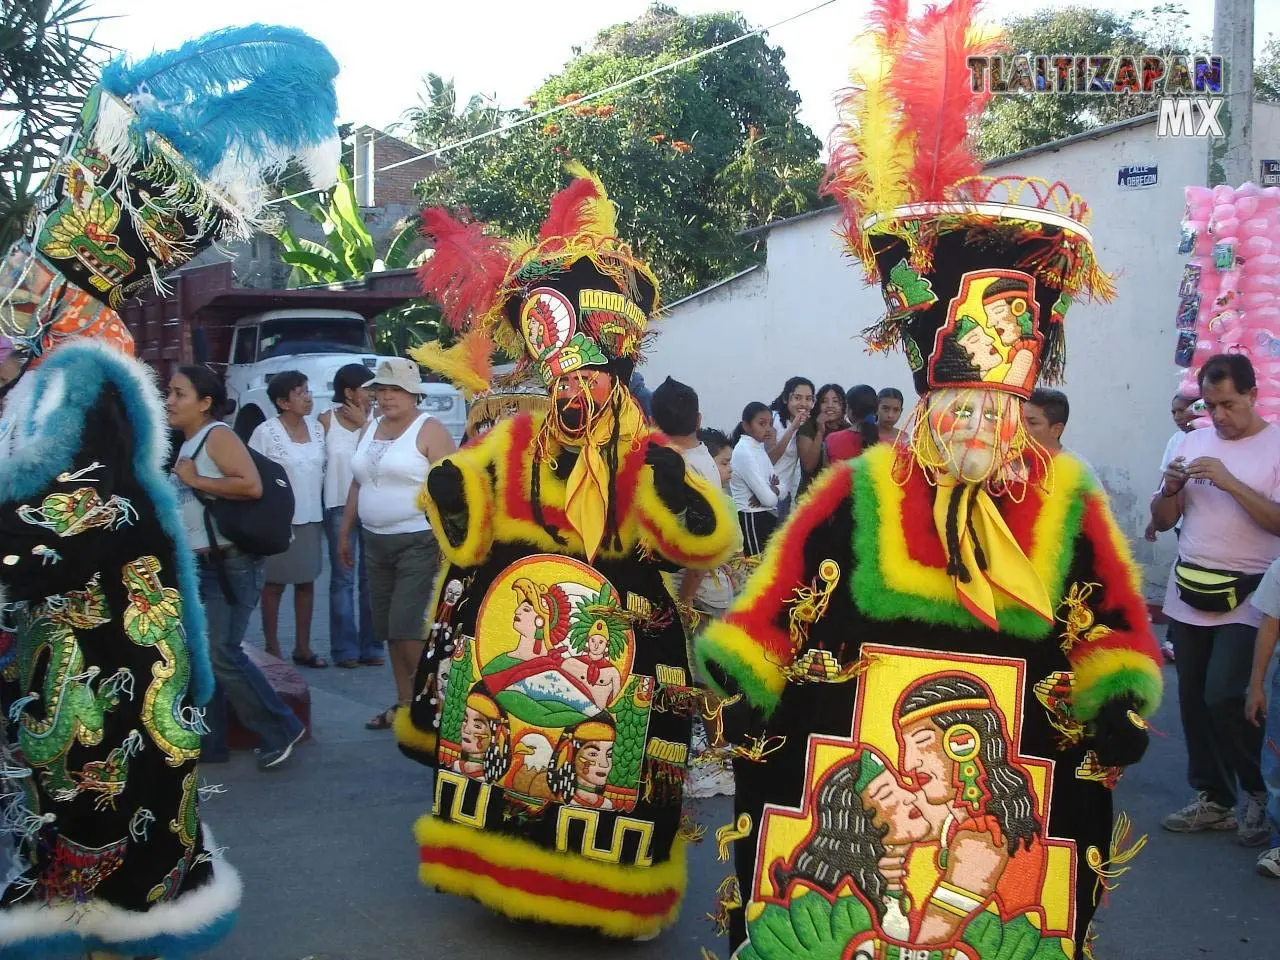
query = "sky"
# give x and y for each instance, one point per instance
(506, 48)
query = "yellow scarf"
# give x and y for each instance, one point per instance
(982, 554)
(587, 490)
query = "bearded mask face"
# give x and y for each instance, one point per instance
(579, 397)
(972, 431)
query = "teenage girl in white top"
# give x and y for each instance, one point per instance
(790, 412)
(351, 638)
(753, 483)
(389, 468)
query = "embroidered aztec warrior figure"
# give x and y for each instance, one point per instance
(105, 668)
(543, 707)
(942, 789)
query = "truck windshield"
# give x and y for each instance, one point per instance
(288, 335)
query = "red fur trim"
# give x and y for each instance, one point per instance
(784, 563)
(516, 493)
(923, 543)
(1118, 593)
(535, 882)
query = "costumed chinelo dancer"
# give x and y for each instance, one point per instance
(554, 698)
(103, 659)
(943, 659)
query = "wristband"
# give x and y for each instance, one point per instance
(954, 900)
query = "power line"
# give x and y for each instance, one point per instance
(605, 91)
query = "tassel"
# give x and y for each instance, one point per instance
(730, 834)
(690, 830)
(728, 899)
(1120, 860)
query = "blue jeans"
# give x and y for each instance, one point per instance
(345, 642)
(239, 681)
(1271, 758)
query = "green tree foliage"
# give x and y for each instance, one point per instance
(1016, 122)
(690, 157)
(48, 62)
(1266, 72)
(349, 253)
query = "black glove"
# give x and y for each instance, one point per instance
(668, 476)
(1116, 738)
(444, 483)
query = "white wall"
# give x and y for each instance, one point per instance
(802, 311)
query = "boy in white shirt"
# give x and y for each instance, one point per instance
(675, 413)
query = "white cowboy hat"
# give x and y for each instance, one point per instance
(398, 372)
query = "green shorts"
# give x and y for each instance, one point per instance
(402, 570)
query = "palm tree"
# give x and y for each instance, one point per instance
(436, 120)
(48, 62)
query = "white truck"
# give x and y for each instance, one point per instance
(250, 334)
(317, 343)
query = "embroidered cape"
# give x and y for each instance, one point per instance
(102, 665)
(553, 697)
(929, 783)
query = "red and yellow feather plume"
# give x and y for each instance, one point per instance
(931, 81)
(904, 131)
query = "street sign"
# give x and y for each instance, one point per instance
(1269, 175)
(1137, 177)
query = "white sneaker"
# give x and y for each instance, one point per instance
(1269, 863)
(1254, 829)
(1200, 814)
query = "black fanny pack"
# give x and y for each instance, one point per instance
(1213, 591)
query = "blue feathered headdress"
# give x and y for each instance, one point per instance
(237, 104)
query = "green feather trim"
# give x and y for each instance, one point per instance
(728, 674)
(877, 600)
(1145, 686)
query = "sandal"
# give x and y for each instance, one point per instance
(347, 664)
(313, 662)
(374, 661)
(385, 720)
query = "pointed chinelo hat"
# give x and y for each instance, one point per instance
(977, 272)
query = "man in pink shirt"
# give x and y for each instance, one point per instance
(1223, 484)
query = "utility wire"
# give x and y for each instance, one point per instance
(605, 91)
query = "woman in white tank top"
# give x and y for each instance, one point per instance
(351, 638)
(389, 468)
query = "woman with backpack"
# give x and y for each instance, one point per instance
(214, 462)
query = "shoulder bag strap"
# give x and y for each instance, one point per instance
(215, 550)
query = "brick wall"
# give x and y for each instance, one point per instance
(393, 187)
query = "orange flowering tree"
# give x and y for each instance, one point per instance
(691, 157)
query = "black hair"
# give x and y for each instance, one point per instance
(846, 844)
(284, 383)
(861, 403)
(749, 413)
(207, 384)
(1228, 366)
(1054, 403)
(714, 440)
(891, 393)
(351, 377)
(779, 405)
(1009, 791)
(674, 406)
(831, 388)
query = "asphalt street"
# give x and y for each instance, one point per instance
(325, 849)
